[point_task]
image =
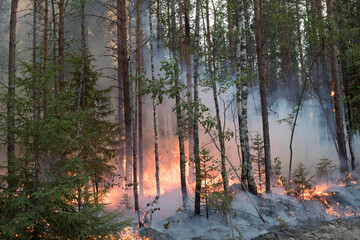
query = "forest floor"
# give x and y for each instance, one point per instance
(348, 229)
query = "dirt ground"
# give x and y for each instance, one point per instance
(342, 229)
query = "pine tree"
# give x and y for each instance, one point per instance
(258, 158)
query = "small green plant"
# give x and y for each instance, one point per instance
(283, 223)
(277, 172)
(325, 169)
(258, 158)
(301, 180)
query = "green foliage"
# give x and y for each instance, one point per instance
(300, 178)
(325, 168)
(51, 196)
(277, 171)
(258, 158)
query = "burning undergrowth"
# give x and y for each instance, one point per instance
(282, 210)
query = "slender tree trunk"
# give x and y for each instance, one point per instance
(158, 31)
(231, 33)
(120, 99)
(168, 24)
(138, 50)
(36, 114)
(181, 39)
(189, 81)
(61, 46)
(242, 95)
(154, 107)
(123, 45)
(178, 114)
(54, 60)
(134, 148)
(336, 93)
(196, 111)
(46, 53)
(10, 135)
(217, 109)
(264, 111)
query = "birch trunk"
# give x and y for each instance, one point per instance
(196, 110)
(242, 95)
(189, 80)
(264, 111)
(178, 114)
(154, 107)
(138, 50)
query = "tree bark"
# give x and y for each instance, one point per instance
(231, 33)
(189, 80)
(138, 50)
(10, 135)
(178, 114)
(154, 107)
(241, 97)
(61, 46)
(264, 110)
(120, 102)
(336, 93)
(46, 52)
(196, 110)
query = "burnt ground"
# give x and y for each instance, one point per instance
(340, 229)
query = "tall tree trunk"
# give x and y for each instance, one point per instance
(181, 39)
(154, 107)
(123, 45)
(10, 135)
(46, 52)
(264, 110)
(168, 24)
(120, 99)
(217, 109)
(61, 46)
(241, 97)
(336, 93)
(36, 114)
(196, 110)
(178, 114)
(231, 33)
(158, 31)
(54, 60)
(138, 50)
(189, 80)
(134, 148)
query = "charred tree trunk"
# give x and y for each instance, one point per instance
(336, 93)
(241, 97)
(178, 113)
(196, 110)
(138, 50)
(264, 110)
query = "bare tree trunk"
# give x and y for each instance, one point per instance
(61, 46)
(336, 93)
(181, 41)
(54, 60)
(36, 113)
(168, 24)
(154, 107)
(242, 95)
(138, 50)
(196, 110)
(123, 45)
(178, 115)
(134, 148)
(216, 102)
(10, 135)
(231, 32)
(120, 99)
(46, 52)
(264, 111)
(189, 80)
(158, 33)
